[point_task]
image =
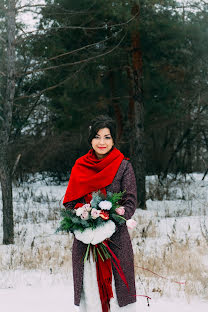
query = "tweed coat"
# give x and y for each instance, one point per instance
(123, 180)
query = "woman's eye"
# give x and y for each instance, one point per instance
(97, 137)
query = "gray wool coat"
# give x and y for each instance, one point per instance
(123, 180)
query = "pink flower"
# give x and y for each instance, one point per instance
(131, 224)
(85, 215)
(95, 213)
(120, 210)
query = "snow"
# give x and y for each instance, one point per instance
(59, 298)
(170, 241)
(51, 299)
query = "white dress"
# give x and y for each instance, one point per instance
(90, 298)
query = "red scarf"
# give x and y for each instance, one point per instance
(90, 174)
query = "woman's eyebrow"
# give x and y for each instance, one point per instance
(104, 135)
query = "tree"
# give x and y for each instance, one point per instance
(6, 105)
(14, 115)
(137, 110)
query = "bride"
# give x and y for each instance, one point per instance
(103, 168)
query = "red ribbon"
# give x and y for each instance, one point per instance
(145, 269)
(117, 265)
(104, 279)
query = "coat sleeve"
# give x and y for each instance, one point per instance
(128, 184)
(70, 205)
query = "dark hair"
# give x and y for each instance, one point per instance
(100, 122)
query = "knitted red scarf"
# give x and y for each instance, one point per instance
(90, 174)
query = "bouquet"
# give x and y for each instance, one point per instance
(96, 221)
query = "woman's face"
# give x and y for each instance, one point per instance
(102, 143)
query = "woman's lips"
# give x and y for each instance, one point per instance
(102, 147)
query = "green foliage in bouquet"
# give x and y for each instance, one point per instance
(114, 198)
(96, 199)
(71, 222)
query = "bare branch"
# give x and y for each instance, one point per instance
(16, 163)
(25, 6)
(31, 11)
(78, 62)
(106, 26)
(2, 39)
(35, 104)
(31, 6)
(50, 88)
(2, 73)
(79, 49)
(120, 97)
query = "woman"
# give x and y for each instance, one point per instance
(103, 168)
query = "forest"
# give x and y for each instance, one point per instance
(143, 62)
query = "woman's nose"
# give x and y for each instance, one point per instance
(102, 140)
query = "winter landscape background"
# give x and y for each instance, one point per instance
(143, 62)
(170, 240)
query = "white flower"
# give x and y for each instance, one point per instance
(85, 215)
(95, 213)
(87, 207)
(79, 211)
(105, 205)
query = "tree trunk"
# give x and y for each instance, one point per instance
(116, 106)
(137, 108)
(5, 128)
(6, 187)
(131, 107)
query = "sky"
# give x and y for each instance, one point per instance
(29, 17)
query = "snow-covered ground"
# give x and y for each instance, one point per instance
(170, 246)
(56, 299)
